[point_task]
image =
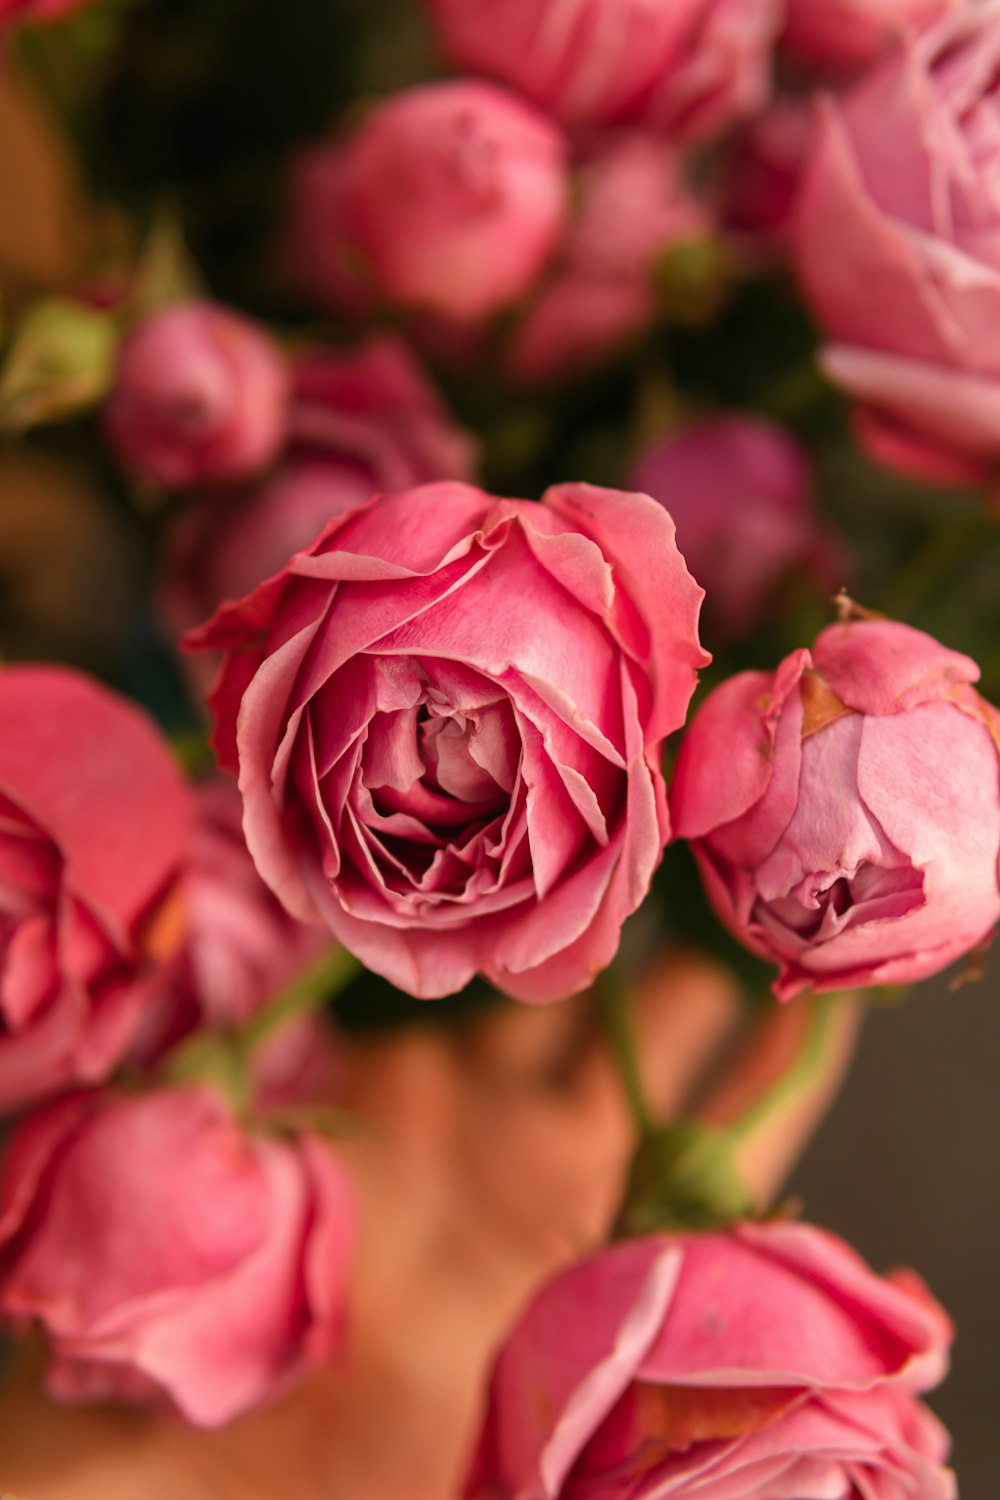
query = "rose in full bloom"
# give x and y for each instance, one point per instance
(766, 1362)
(690, 67)
(834, 35)
(740, 493)
(169, 1255)
(896, 246)
(447, 716)
(360, 421)
(448, 198)
(200, 395)
(634, 205)
(845, 809)
(95, 823)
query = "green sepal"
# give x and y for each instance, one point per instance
(684, 1177)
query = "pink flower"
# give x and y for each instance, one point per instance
(740, 493)
(360, 421)
(897, 248)
(94, 828)
(845, 810)
(690, 67)
(451, 711)
(448, 198)
(200, 396)
(764, 167)
(766, 1361)
(633, 206)
(834, 35)
(168, 1254)
(241, 948)
(37, 10)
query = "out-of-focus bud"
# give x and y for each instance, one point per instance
(689, 67)
(845, 809)
(896, 237)
(360, 421)
(200, 395)
(834, 36)
(740, 494)
(59, 362)
(448, 198)
(634, 208)
(763, 169)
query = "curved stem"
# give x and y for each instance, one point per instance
(310, 991)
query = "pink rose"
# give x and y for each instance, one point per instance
(897, 249)
(834, 35)
(448, 198)
(740, 493)
(451, 711)
(633, 206)
(690, 67)
(169, 1254)
(241, 948)
(845, 809)
(766, 1362)
(94, 827)
(200, 396)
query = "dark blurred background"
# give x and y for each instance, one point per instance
(907, 1168)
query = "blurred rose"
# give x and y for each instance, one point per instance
(766, 1361)
(764, 167)
(94, 828)
(690, 67)
(168, 1253)
(832, 35)
(740, 494)
(361, 421)
(456, 783)
(241, 948)
(845, 810)
(37, 10)
(200, 395)
(633, 205)
(448, 198)
(898, 250)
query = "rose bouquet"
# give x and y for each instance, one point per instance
(520, 687)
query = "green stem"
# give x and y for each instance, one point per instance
(616, 1014)
(795, 1079)
(310, 991)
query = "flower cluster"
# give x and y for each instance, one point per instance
(449, 726)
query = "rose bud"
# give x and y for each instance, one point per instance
(200, 395)
(740, 494)
(845, 809)
(766, 1361)
(833, 36)
(453, 783)
(169, 1255)
(94, 827)
(360, 421)
(448, 198)
(633, 206)
(908, 292)
(762, 172)
(690, 67)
